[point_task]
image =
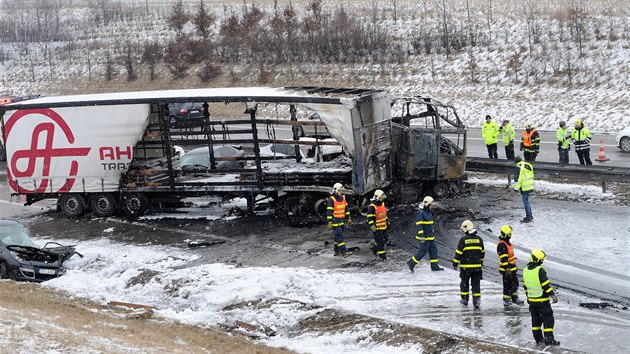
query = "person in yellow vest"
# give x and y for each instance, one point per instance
(426, 236)
(507, 267)
(539, 293)
(379, 222)
(508, 135)
(581, 138)
(469, 256)
(490, 134)
(338, 215)
(524, 183)
(564, 143)
(530, 145)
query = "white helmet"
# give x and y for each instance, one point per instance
(337, 187)
(467, 225)
(378, 194)
(427, 200)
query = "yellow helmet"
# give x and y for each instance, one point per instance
(537, 255)
(578, 122)
(467, 225)
(506, 231)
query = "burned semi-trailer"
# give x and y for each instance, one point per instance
(113, 152)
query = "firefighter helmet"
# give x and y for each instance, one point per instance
(467, 225)
(537, 255)
(506, 231)
(427, 200)
(528, 124)
(337, 187)
(379, 194)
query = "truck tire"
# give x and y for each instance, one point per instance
(135, 205)
(103, 204)
(72, 205)
(441, 190)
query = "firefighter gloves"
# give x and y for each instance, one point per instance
(373, 228)
(455, 265)
(329, 226)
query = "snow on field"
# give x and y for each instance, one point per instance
(180, 287)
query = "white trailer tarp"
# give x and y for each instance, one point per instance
(73, 149)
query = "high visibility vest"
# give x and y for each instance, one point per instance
(525, 177)
(531, 280)
(339, 208)
(527, 137)
(380, 218)
(490, 133)
(563, 138)
(511, 261)
(581, 138)
(507, 134)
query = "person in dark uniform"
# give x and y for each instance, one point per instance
(469, 257)
(379, 222)
(337, 215)
(539, 295)
(507, 267)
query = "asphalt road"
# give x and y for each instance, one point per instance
(549, 148)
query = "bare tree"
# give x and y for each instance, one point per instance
(109, 65)
(151, 55)
(577, 16)
(178, 17)
(209, 72)
(203, 21)
(473, 68)
(514, 64)
(130, 62)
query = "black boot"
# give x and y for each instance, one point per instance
(476, 302)
(411, 264)
(551, 341)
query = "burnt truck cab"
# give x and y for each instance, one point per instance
(429, 147)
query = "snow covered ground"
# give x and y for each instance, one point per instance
(180, 287)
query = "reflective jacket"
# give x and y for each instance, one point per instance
(507, 134)
(490, 132)
(377, 215)
(424, 225)
(581, 138)
(531, 140)
(507, 259)
(536, 285)
(337, 210)
(564, 138)
(524, 177)
(470, 253)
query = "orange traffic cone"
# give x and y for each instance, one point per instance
(602, 155)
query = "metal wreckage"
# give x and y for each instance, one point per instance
(116, 152)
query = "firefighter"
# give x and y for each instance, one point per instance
(564, 143)
(379, 222)
(581, 138)
(530, 144)
(490, 134)
(524, 183)
(539, 291)
(507, 267)
(508, 135)
(426, 236)
(469, 256)
(338, 215)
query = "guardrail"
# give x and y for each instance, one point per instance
(594, 173)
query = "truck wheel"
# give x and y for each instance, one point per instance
(321, 209)
(72, 205)
(103, 204)
(440, 190)
(135, 205)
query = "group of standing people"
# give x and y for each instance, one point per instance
(530, 140)
(469, 256)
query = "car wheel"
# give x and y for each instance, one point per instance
(103, 204)
(4, 271)
(135, 205)
(72, 205)
(624, 144)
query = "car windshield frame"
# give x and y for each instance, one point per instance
(15, 234)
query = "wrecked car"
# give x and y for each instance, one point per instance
(22, 260)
